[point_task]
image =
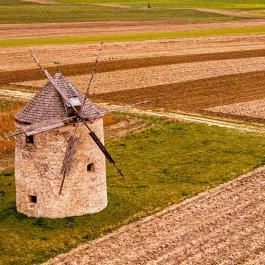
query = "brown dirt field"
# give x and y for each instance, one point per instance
(194, 96)
(16, 76)
(223, 226)
(10, 31)
(160, 75)
(20, 58)
(252, 109)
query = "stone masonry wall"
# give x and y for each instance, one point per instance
(38, 173)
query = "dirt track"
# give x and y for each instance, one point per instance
(223, 226)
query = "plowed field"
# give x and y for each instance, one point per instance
(224, 226)
(187, 75)
(195, 96)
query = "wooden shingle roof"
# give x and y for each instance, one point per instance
(47, 104)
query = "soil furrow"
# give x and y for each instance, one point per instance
(164, 239)
(195, 96)
(7, 77)
(224, 222)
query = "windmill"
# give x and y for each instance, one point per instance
(60, 153)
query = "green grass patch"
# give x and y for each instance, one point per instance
(132, 37)
(163, 165)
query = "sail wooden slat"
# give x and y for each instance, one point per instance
(44, 128)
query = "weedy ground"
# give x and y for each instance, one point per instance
(164, 164)
(7, 110)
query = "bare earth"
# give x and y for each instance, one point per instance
(160, 75)
(20, 58)
(253, 109)
(222, 226)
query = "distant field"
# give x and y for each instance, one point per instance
(238, 4)
(17, 11)
(131, 37)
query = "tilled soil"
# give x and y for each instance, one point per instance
(16, 76)
(161, 75)
(251, 109)
(225, 226)
(194, 96)
(20, 58)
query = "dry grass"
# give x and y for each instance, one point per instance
(7, 112)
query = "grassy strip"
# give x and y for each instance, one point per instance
(131, 37)
(163, 165)
(227, 4)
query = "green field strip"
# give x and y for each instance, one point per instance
(131, 37)
(227, 4)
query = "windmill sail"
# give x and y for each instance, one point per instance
(67, 162)
(79, 115)
(105, 151)
(39, 127)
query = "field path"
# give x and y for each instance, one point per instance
(25, 96)
(224, 225)
(234, 13)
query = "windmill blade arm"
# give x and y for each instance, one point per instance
(67, 162)
(101, 147)
(57, 87)
(105, 152)
(39, 127)
(92, 75)
(63, 95)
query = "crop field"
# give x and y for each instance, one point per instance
(200, 58)
(187, 75)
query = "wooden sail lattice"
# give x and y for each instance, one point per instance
(68, 158)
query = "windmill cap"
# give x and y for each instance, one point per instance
(48, 104)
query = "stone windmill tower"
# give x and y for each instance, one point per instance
(60, 155)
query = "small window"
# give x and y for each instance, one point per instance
(33, 198)
(90, 167)
(30, 139)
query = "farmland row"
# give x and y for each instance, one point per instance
(195, 96)
(216, 227)
(137, 78)
(16, 76)
(19, 59)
